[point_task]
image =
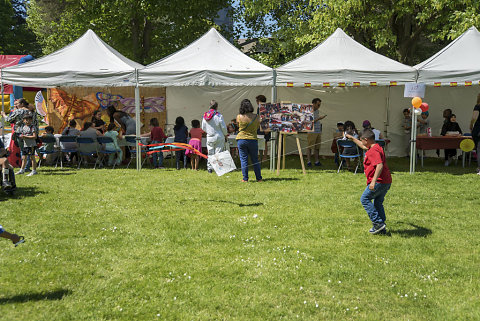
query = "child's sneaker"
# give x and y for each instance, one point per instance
(318, 164)
(34, 172)
(377, 228)
(309, 164)
(20, 172)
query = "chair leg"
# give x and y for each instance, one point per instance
(341, 163)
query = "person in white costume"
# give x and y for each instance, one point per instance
(214, 125)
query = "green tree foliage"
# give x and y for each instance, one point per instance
(406, 30)
(143, 30)
(15, 38)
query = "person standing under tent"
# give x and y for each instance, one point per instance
(247, 142)
(407, 128)
(214, 125)
(97, 121)
(314, 138)
(261, 99)
(15, 118)
(475, 128)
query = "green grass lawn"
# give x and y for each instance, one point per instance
(183, 245)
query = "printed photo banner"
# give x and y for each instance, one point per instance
(286, 117)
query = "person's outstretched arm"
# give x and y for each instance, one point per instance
(356, 141)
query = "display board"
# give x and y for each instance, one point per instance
(286, 117)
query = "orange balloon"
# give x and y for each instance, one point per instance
(416, 102)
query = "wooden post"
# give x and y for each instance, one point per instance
(301, 154)
(279, 151)
(284, 150)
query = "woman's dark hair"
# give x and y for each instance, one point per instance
(453, 115)
(245, 107)
(49, 129)
(195, 123)
(179, 122)
(261, 99)
(98, 111)
(23, 101)
(406, 110)
(447, 113)
(72, 123)
(154, 122)
(112, 110)
(315, 100)
(349, 127)
(111, 126)
(87, 125)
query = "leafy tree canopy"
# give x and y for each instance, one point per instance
(142, 30)
(15, 37)
(406, 30)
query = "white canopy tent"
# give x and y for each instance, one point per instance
(86, 62)
(354, 84)
(209, 68)
(458, 62)
(452, 77)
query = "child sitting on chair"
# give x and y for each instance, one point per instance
(114, 135)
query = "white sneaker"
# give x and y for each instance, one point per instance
(32, 173)
(20, 172)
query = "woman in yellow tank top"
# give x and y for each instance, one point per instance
(247, 142)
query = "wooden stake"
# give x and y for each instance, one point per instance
(301, 154)
(279, 151)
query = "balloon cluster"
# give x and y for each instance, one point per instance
(420, 107)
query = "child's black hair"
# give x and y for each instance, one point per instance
(154, 122)
(179, 122)
(49, 129)
(195, 123)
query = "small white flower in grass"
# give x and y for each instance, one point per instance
(415, 294)
(348, 309)
(333, 297)
(301, 288)
(339, 282)
(304, 302)
(356, 308)
(329, 281)
(158, 314)
(174, 298)
(255, 215)
(406, 295)
(316, 305)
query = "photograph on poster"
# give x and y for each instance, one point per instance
(286, 117)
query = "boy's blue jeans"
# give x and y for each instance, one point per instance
(158, 156)
(372, 201)
(249, 147)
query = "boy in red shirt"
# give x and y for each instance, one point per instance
(378, 180)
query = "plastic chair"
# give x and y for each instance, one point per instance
(348, 144)
(85, 141)
(103, 140)
(42, 152)
(63, 150)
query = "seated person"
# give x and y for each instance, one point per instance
(352, 131)
(367, 125)
(90, 132)
(423, 123)
(49, 147)
(450, 126)
(114, 135)
(71, 130)
(338, 134)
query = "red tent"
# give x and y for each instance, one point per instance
(7, 61)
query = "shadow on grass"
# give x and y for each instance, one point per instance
(22, 192)
(238, 204)
(280, 179)
(416, 231)
(27, 297)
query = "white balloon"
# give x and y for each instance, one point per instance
(418, 111)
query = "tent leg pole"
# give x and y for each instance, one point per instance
(137, 123)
